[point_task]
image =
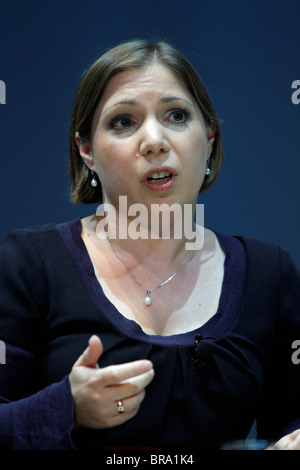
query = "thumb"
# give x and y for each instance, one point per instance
(92, 353)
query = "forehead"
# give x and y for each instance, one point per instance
(153, 80)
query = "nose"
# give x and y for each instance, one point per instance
(153, 140)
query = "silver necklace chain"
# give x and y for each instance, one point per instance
(148, 300)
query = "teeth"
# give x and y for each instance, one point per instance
(161, 174)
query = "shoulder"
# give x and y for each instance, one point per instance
(34, 235)
(265, 261)
(24, 283)
(28, 246)
(21, 235)
(262, 252)
(259, 251)
(272, 271)
(23, 240)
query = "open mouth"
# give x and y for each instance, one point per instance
(160, 178)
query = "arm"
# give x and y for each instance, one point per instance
(48, 411)
(31, 416)
(43, 420)
(281, 411)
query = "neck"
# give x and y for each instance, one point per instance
(152, 237)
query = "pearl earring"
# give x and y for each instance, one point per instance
(94, 182)
(207, 171)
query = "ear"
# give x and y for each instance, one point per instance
(211, 132)
(85, 152)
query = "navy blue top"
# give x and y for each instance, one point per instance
(218, 325)
(210, 383)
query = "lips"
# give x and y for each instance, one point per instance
(159, 179)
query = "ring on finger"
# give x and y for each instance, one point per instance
(120, 406)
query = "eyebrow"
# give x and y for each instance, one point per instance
(169, 99)
(130, 102)
(165, 99)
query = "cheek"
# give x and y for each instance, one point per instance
(196, 150)
(195, 164)
(111, 160)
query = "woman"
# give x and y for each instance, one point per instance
(183, 348)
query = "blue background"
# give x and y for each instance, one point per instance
(247, 53)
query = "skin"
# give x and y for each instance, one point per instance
(96, 391)
(289, 442)
(138, 125)
(152, 133)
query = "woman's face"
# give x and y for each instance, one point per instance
(149, 141)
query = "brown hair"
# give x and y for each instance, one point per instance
(129, 56)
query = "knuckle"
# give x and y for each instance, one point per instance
(94, 381)
(134, 388)
(113, 376)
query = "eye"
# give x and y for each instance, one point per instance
(178, 116)
(121, 123)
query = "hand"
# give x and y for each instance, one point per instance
(96, 391)
(289, 442)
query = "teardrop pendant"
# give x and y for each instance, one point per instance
(148, 300)
(94, 182)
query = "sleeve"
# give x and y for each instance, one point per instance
(42, 421)
(31, 417)
(280, 410)
(23, 291)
